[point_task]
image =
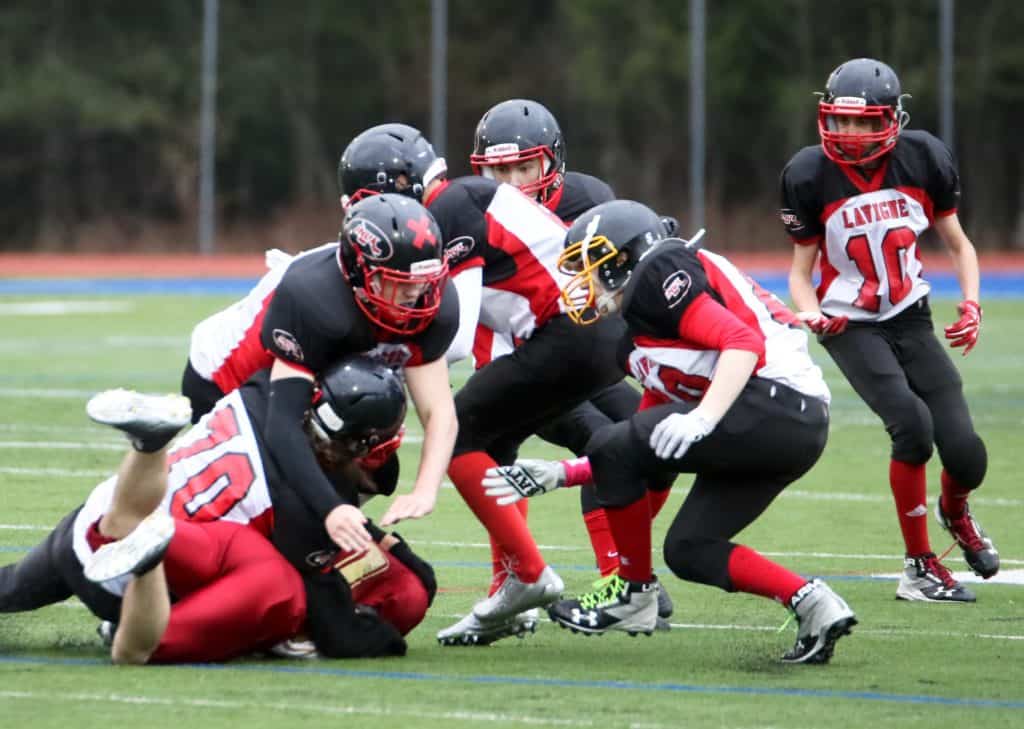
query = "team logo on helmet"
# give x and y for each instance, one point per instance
(288, 345)
(502, 150)
(676, 287)
(375, 245)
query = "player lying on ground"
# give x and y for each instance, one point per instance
(213, 502)
(730, 394)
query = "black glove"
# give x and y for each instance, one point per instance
(422, 569)
(339, 628)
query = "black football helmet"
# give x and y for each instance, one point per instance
(517, 130)
(388, 158)
(862, 87)
(603, 247)
(390, 253)
(359, 405)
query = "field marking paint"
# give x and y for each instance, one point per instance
(330, 709)
(544, 547)
(62, 307)
(49, 393)
(50, 472)
(524, 681)
(63, 445)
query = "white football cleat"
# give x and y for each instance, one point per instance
(472, 631)
(149, 421)
(515, 596)
(822, 618)
(136, 554)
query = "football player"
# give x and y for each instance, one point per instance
(858, 203)
(383, 289)
(503, 249)
(730, 394)
(519, 141)
(201, 520)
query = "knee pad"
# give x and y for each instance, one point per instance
(966, 461)
(698, 559)
(911, 432)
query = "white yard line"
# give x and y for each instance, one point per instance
(410, 712)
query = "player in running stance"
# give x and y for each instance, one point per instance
(857, 203)
(730, 395)
(519, 141)
(201, 520)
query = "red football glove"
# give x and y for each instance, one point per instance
(964, 332)
(821, 324)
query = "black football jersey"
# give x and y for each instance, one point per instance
(867, 228)
(313, 320)
(578, 193)
(513, 239)
(665, 284)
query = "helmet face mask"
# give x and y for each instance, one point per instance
(866, 90)
(394, 158)
(390, 253)
(520, 130)
(601, 250)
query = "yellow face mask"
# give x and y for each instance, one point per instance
(582, 260)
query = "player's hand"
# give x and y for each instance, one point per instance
(346, 527)
(964, 332)
(674, 435)
(525, 478)
(822, 324)
(407, 506)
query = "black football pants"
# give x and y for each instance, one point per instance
(770, 437)
(904, 374)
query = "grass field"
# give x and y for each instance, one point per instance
(905, 665)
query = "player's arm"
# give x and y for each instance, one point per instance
(291, 392)
(431, 393)
(965, 331)
(709, 325)
(801, 270)
(963, 253)
(339, 628)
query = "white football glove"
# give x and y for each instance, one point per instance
(525, 478)
(674, 435)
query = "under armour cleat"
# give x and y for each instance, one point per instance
(149, 421)
(515, 596)
(979, 551)
(614, 604)
(472, 631)
(136, 554)
(822, 618)
(926, 579)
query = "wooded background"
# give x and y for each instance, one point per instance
(99, 105)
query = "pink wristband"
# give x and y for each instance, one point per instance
(577, 472)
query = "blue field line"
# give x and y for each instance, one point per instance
(563, 683)
(998, 285)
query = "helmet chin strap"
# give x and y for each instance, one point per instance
(607, 303)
